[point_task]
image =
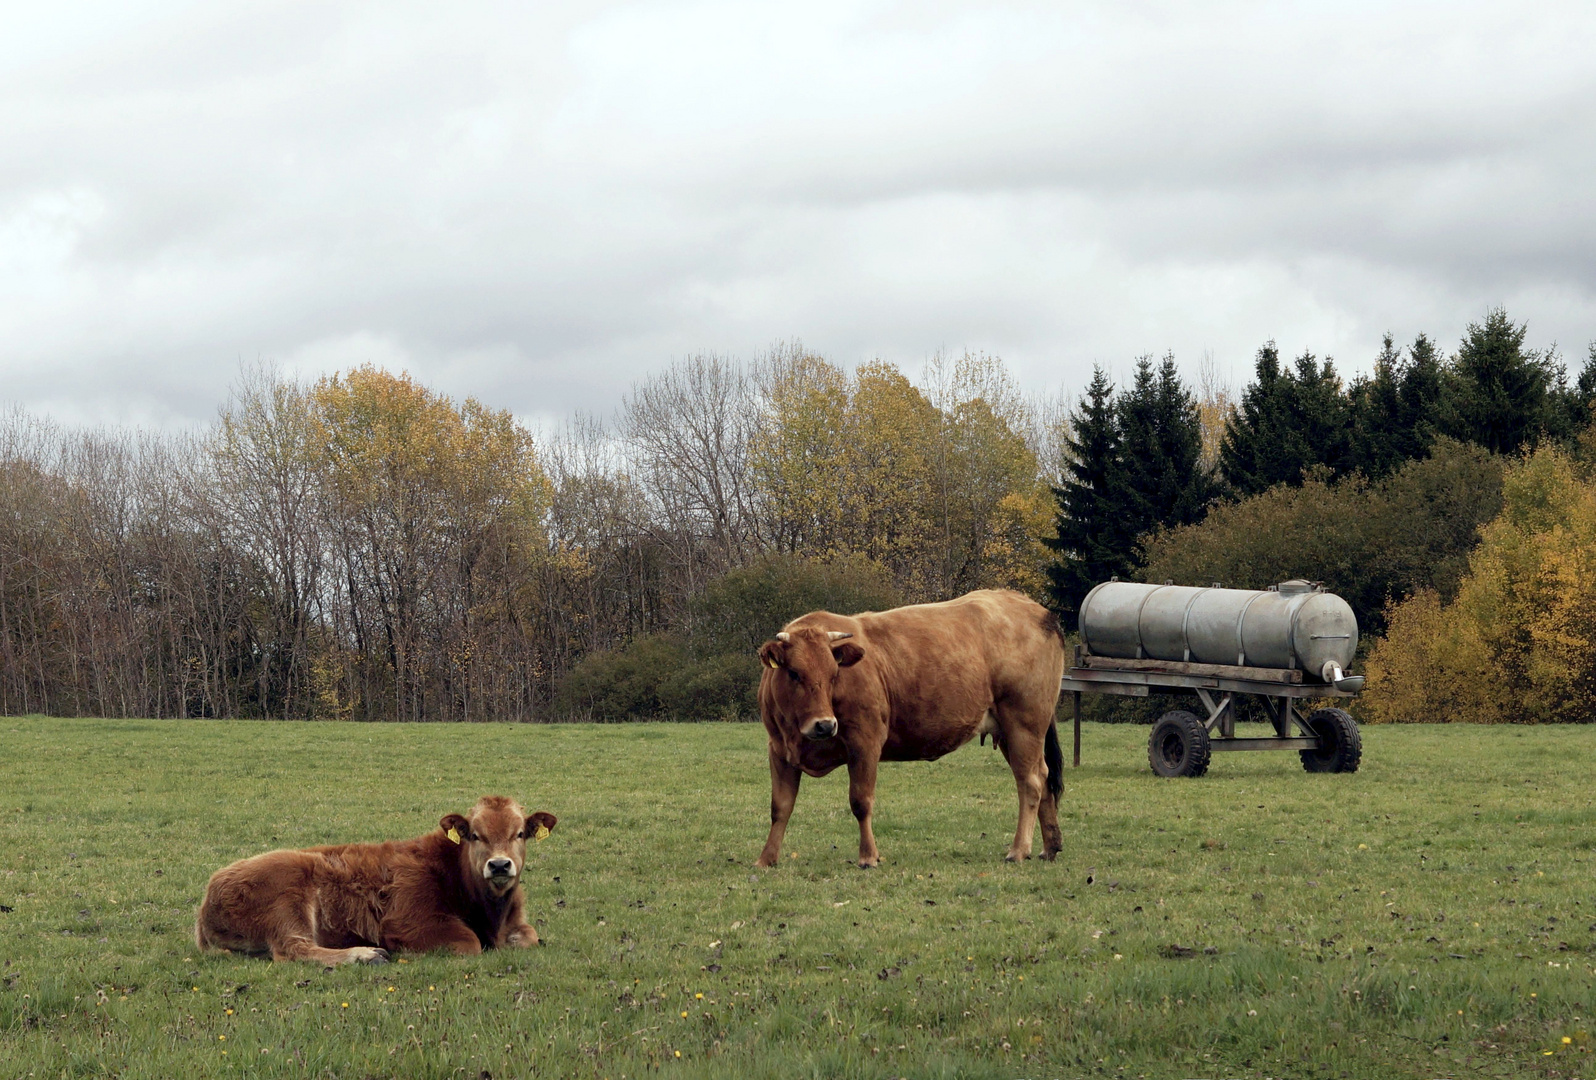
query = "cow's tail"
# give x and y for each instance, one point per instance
(1054, 756)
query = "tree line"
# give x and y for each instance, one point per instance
(1378, 486)
(363, 547)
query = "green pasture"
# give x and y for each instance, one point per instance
(1430, 916)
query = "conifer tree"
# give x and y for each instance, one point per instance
(1289, 421)
(1096, 539)
(1160, 448)
(1502, 396)
(1395, 412)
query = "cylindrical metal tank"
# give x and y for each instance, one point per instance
(1293, 625)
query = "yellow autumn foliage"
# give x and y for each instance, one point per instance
(1518, 645)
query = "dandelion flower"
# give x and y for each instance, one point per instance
(345, 1005)
(1566, 1040)
(678, 1053)
(700, 997)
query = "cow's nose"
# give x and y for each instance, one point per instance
(825, 729)
(500, 867)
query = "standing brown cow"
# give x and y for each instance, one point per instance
(912, 684)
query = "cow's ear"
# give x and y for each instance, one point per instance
(455, 827)
(539, 825)
(847, 653)
(773, 654)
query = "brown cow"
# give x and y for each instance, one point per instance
(913, 684)
(457, 888)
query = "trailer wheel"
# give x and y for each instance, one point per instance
(1340, 745)
(1178, 745)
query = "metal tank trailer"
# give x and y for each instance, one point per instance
(1289, 646)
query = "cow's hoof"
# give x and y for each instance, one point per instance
(372, 956)
(869, 865)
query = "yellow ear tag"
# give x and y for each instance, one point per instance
(542, 831)
(771, 664)
(452, 835)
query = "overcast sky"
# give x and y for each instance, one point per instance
(537, 204)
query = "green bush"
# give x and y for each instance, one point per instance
(711, 671)
(1369, 543)
(741, 610)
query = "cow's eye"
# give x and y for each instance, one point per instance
(794, 676)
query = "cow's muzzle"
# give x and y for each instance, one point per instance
(824, 728)
(499, 868)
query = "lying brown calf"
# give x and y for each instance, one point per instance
(456, 889)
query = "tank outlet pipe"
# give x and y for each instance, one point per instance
(1333, 675)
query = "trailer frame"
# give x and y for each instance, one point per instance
(1281, 692)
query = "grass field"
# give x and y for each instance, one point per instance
(1430, 916)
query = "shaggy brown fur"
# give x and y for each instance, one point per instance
(913, 684)
(356, 902)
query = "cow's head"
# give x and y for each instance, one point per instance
(493, 839)
(803, 667)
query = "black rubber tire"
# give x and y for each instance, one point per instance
(1341, 746)
(1178, 745)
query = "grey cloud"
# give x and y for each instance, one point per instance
(538, 208)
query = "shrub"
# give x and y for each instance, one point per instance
(1518, 645)
(712, 672)
(1369, 543)
(744, 608)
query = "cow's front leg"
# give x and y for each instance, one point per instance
(861, 800)
(783, 794)
(428, 933)
(519, 937)
(517, 933)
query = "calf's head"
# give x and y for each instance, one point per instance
(803, 667)
(493, 840)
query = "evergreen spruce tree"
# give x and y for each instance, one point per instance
(1096, 538)
(1395, 412)
(1289, 421)
(1502, 396)
(1160, 447)
(1584, 400)
(1131, 465)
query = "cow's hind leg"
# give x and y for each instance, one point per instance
(1047, 810)
(1023, 748)
(299, 947)
(291, 935)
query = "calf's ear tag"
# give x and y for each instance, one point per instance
(542, 831)
(452, 835)
(771, 664)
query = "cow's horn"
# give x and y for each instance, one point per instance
(784, 636)
(838, 635)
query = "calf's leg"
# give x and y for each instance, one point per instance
(300, 947)
(783, 794)
(429, 932)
